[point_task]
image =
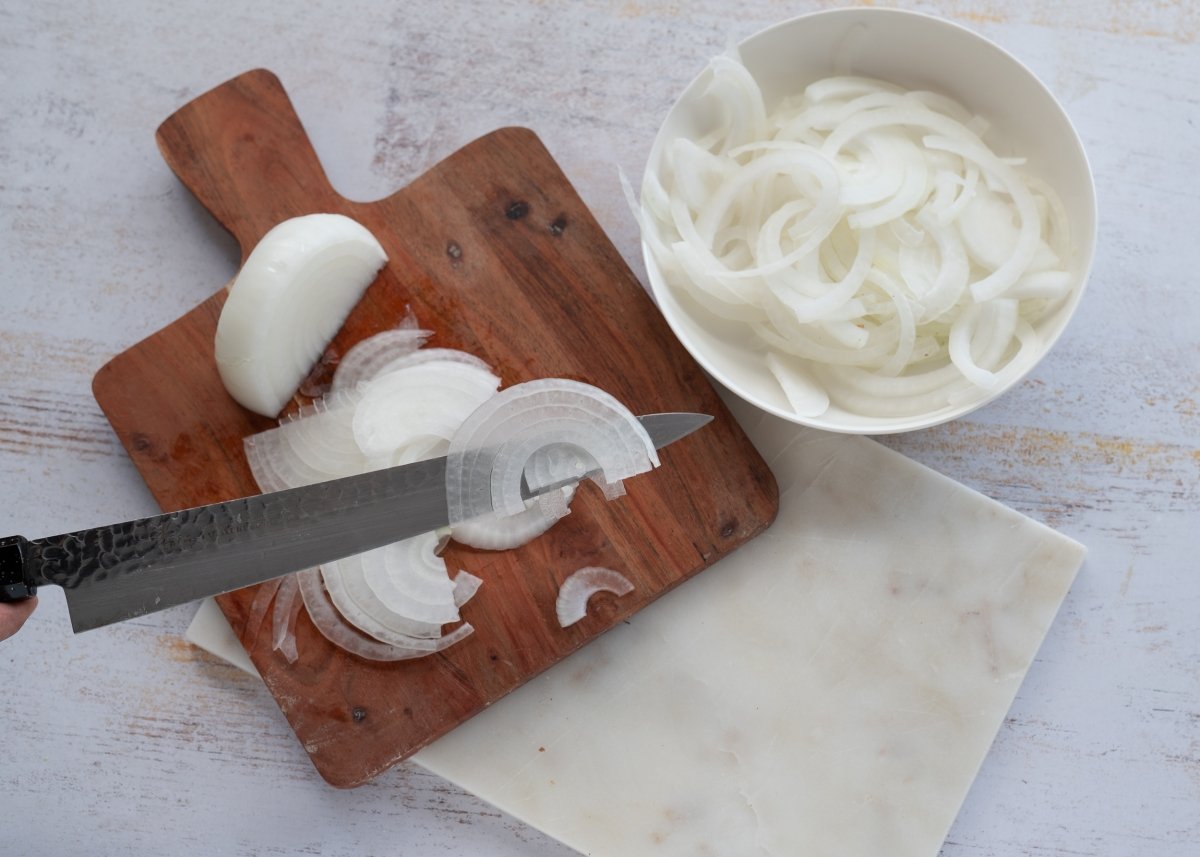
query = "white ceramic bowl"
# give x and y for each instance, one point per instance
(914, 51)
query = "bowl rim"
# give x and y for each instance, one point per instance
(883, 425)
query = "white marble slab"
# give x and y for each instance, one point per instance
(831, 688)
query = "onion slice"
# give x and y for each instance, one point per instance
(465, 587)
(338, 631)
(315, 446)
(283, 619)
(573, 595)
(858, 229)
(257, 613)
(496, 532)
(289, 299)
(374, 355)
(488, 454)
(427, 399)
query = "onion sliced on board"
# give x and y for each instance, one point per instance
(289, 299)
(315, 446)
(573, 595)
(400, 593)
(373, 356)
(497, 532)
(486, 463)
(397, 402)
(334, 627)
(465, 587)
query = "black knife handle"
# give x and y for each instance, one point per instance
(15, 584)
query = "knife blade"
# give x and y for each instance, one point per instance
(125, 570)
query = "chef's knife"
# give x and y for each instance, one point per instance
(125, 570)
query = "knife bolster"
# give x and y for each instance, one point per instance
(14, 585)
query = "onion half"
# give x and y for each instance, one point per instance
(289, 299)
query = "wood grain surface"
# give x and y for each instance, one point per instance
(494, 252)
(162, 750)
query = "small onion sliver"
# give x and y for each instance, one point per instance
(371, 357)
(465, 587)
(573, 595)
(256, 615)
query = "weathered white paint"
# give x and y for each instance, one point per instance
(155, 748)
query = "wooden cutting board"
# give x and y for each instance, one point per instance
(496, 253)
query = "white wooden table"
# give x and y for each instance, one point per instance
(128, 741)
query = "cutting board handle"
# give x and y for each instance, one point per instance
(240, 148)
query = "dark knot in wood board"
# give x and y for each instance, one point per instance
(140, 442)
(559, 225)
(516, 209)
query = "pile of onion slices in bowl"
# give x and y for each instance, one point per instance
(864, 241)
(391, 402)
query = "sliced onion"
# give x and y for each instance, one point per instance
(400, 592)
(373, 356)
(741, 101)
(488, 454)
(338, 631)
(283, 621)
(1021, 254)
(573, 595)
(465, 587)
(496, 532)
(391, 603)
(421, 400)
(289, 299)
(359, 602)
(410, 579)
(804, 393)
(927, 223)
(316, 446)
(257, 613)
(946, 289)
